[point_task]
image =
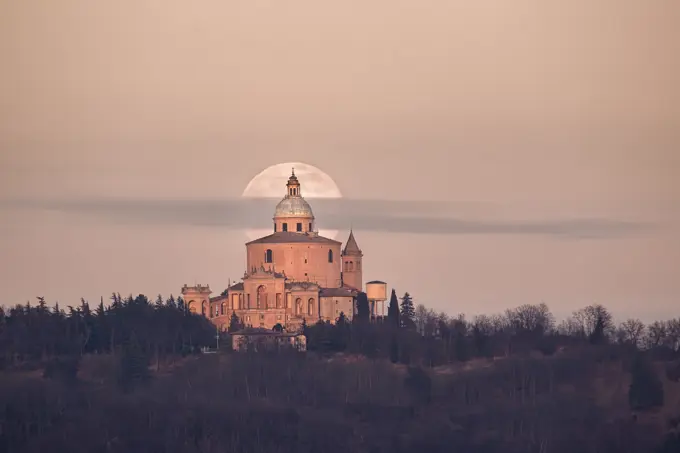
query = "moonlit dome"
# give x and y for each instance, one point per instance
(293, 207)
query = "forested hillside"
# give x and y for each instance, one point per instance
(128, 376)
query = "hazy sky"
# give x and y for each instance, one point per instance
(534, 112)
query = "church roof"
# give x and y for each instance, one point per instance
(338, 292)
(351, 248)
(289, 237)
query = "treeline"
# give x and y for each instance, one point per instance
(544, 396)
(416, 335)
(159, 329)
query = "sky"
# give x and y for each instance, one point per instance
(539, 140)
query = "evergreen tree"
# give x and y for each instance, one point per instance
(134, 364)
(363, 310)
(407, 313)
(646, 389)
(393, 310)
(234, 323)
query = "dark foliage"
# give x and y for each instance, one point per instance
(393, 310)
(646, 389)
(363, 310)
(34, 333)
(415, 381)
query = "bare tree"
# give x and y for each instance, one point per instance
(592, 317)
(535, 319)
(631, 331)
(420, 318)
(673, 334)
(656, 334)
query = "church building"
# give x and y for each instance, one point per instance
(293, 275)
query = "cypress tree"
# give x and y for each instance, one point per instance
(393, 310)
(363, 311)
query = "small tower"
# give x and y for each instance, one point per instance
(197, 298)
(351, 264)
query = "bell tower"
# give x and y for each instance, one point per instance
(351, 264)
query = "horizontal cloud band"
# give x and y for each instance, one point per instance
(416, 217)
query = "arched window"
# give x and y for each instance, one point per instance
(310, 306)
(204, 308)
(224, 308)
(261, 297)
(268, 256)
(192, 306)
(298, 306)
(330, 256)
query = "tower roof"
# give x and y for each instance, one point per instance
(351, 248)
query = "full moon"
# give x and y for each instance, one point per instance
(271, 184)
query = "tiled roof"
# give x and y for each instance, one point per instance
(338, 292)
(218, 298)
(237, 287)
(287, 237)
(351, 248)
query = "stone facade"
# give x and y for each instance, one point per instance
(293, 275)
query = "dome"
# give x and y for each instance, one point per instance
(293, 207)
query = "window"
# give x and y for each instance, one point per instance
(268, 256)
(261, 296)
(330, 256)
(310, 227)
(310, 306)
(299, 227)
(284, 227)
(274, 228)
